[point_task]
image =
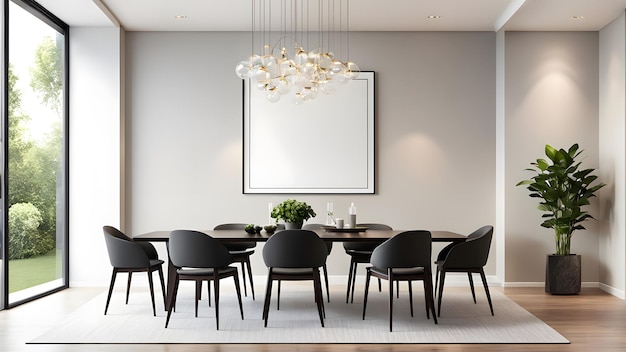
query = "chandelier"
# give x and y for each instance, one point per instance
(280, 64)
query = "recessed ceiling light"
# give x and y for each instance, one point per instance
(433, 17)
(180, 17)
(576, 18)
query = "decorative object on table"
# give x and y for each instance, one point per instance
(257, 229)
(293, 213)
(563, 190)
(270, 228)
(352, 216)
(250, 229)
(330, 228)
(329, 214)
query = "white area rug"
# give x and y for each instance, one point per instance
(461, 321)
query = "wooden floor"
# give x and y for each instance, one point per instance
(593, 321)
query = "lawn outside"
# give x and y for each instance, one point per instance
(26, 273)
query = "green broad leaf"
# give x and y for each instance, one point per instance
(550, 152)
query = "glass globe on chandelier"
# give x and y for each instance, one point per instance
(285, 67)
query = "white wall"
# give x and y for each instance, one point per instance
(551, 98)
(435, 133)
(95, 149)
(612, 156)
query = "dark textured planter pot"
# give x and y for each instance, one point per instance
(563, 274)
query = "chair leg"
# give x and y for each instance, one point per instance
(243, 276)
(326, 281)
(151, 286)
(367, 286)
(216, 287)
(198, 295)
(278, 296)
(429, 294)
(410, 295)
(268, 295)
(319, 297)
(471, 282)
(350, 273)
(160, 270)
(113, 276)
(443, 279)
(238, 289)
(352, 284)
(482, 276)
(398, 289)
(390, 276)
(249, 268)
(436, 280)
(208, 289)
(130, 276)
(171, 301)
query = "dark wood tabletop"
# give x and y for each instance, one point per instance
(242, 236)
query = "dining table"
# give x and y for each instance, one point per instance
(326, 233)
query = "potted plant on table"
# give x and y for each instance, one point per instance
(293, 213)
(563, 190)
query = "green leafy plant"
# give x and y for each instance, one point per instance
(564, 190)
(293, 211)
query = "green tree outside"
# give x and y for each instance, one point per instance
(34, 164)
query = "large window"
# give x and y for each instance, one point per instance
(34, 120)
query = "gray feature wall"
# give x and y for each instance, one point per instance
(551, 97)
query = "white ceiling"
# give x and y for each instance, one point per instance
(365, 15)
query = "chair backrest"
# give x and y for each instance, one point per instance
(473, 253)
(314, 227)
(375, 226)
(115, 233)
(147, 246)
(366, 246)
(230, 226)
(407, 249)
(235, 246)
(295, 249)
(193, 249)
(123, 251)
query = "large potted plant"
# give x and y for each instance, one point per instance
(563, 191)
(293, 213)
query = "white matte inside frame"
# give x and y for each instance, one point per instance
(321, 146)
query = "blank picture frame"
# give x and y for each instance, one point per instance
(325, 145)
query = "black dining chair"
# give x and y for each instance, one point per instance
(198, 256)
(241, 252)
(129, 256)
(329, 245)
(295, 255)
(404, 257)
(360, 253)
(468, 257)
